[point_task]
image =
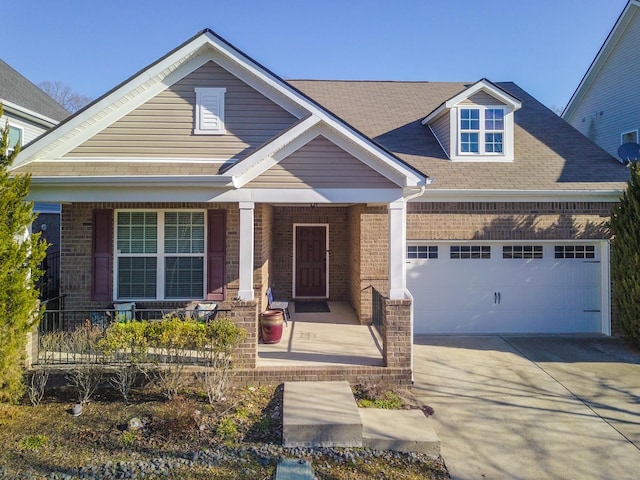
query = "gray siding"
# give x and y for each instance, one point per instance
(611, 104)
(442, 132)
(481, 98)
(321, 164)
(30, 130)
(163, 127)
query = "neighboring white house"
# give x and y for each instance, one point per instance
(606, 106)
(29, 111)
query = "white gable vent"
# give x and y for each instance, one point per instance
(209, 111)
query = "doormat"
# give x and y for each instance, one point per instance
(312, 307)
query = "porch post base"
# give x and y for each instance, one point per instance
(397, 294)
(246, 294)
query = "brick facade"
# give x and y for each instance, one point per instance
(507, 221)
(282, 242)
(76, 244)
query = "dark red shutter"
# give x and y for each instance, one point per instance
(216, 254)
(102, 255)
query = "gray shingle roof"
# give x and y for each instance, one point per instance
(549, 153)
(17, 89)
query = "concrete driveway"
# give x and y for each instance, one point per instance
(530, 407)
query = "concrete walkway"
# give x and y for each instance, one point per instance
(532, 407)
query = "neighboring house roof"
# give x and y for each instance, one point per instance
(549, 153)
(602, 56)
(18, 92)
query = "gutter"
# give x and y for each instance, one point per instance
(406, 290)
(138, 180)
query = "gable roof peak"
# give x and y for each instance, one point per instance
(484, 85)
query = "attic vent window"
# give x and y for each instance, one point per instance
(209, 112)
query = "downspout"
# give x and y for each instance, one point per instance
(406, 290)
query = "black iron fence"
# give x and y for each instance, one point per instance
(377, 306)
(49, 283)
(72, 336)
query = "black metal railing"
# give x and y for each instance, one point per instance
(377, 309)
(49, 283)
(57, 344)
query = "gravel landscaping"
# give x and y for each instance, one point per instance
(185, 438)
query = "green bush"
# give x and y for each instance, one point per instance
(219, 340)
(625, 258)
(20, 257)
(174, 342)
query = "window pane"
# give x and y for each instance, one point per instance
(184, 277)
(137, 232)
(184, 232)
(137, 277)
(469, 143)
(15, 136)
(469, 119)
(493, 142)
(494, 119)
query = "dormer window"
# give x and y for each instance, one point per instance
(481, 131)
(477, 125)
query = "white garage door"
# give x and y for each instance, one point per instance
(505, 288)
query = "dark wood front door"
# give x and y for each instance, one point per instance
(311, 261)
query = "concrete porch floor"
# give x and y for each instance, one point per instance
(323, 339)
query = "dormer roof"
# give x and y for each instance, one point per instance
(482, 85)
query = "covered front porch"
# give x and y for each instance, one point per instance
(334, 338)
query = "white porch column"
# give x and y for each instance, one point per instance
(245, 291)
(397, 241)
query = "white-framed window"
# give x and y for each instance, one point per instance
(463, 252)
(422, 251)
(15, 137)
(160, 255)
(209, 111)
(522, 252)
(629, 137)
(481, 130)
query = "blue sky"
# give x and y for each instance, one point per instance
(543, 45)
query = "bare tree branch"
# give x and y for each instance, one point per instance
(64, 95)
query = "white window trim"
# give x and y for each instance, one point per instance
(627, 133)
(160, 255)
(199, 128)
(17, 127)
(507, 138)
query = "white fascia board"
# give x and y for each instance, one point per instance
(435, 114)
(134, 181)
(205, 193)
(116, 105)
(601, 57)
(29, 114)
(306, 104)
(311, 195)
(453, 195)
(484, 85)
(297, 137)
(294, 139)
(489, 88)
(262, 159)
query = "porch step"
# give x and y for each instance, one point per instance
(320, 414)
(325, 414)
(398, 430)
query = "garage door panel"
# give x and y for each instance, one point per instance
(505, 295)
